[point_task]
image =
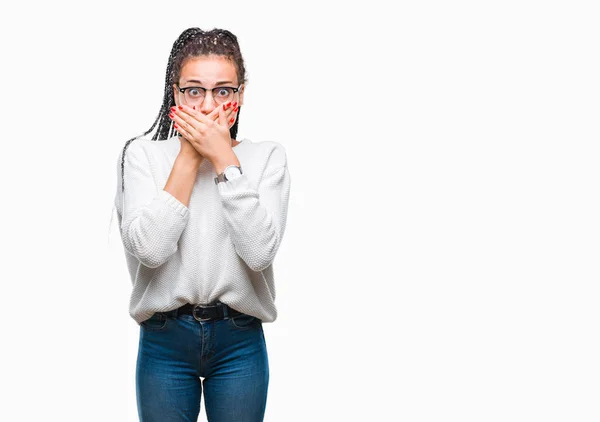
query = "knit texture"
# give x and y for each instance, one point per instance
(220, 248)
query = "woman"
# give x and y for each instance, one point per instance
(202, 216)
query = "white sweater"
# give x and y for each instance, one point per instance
(221, 247)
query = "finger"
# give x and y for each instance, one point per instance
(182, 132)
(214, 115)
(230, 112)
(230, 115)
(234, 109)
(222, 115)
(190, 115)
(185, 122)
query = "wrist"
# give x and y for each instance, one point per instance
(222, 161)
(189, 161)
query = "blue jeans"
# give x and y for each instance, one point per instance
(230, 354)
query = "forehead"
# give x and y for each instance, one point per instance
(208, 69)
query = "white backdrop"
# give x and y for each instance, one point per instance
(440, 259)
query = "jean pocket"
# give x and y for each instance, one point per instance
(244, 322)
(156, 322)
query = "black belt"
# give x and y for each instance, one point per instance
(205, 312)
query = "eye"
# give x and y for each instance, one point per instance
(224, 92)
(195, 92)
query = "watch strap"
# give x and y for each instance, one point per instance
(221, 176)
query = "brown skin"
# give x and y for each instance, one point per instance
(205, 132)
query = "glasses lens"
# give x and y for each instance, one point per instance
(223, 94)
(194, 96)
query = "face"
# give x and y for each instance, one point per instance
(208, 72)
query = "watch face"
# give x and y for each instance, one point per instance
(232, 173)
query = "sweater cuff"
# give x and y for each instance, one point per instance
(237, 186)
(174, 203)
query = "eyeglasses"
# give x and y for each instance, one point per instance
(194, 95)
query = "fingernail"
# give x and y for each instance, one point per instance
(225, 106)
(235, 109)
(194, 107)
(235, 104)
(229, 103)
(231, 121)
(175, 126)
(171, 115)
(180, 108)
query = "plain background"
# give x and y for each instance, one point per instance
(440, 261)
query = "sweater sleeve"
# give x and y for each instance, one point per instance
(152, 220)
(256, 219)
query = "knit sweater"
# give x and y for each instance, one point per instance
(219, 248)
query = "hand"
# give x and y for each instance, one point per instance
(189, 152)
(208, 134)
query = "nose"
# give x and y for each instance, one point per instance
(208, 104)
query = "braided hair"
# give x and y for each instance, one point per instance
(193, 42)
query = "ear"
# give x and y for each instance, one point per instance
(176, 94)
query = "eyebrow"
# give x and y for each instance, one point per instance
(217, 84)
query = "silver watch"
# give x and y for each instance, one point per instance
(230, 173)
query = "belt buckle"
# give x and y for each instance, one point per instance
(196, 307)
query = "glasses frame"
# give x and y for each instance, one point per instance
(182, 90)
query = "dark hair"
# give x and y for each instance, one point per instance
(193, 42)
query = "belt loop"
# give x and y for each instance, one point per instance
(225, 315)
